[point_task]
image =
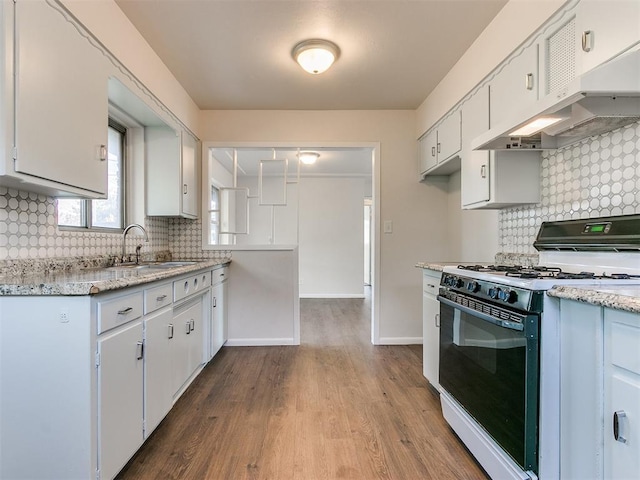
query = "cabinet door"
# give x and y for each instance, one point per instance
(604, 29)
(515, 86)
(449, 136)
(622, 395)
(219, 318)
(430, 329)
(189, 175)
(61, 106)
(187, 343)
(158, 393)
(475, 163)
(120, 402)
(428, 155)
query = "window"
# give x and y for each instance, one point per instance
(101, 214)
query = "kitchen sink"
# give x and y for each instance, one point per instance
(150, 265)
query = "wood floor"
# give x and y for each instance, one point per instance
(336, 407)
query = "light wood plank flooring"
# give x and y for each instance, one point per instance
(336, 407)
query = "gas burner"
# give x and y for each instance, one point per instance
(538, 271)
(576, 276)
(620, 276)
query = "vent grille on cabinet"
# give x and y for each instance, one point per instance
(561, 57)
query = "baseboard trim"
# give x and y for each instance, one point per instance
(331, 295)
(400, 341)
(259, 342)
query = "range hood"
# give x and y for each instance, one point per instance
(601, 100)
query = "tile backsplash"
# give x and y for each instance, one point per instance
(28, 229)
(599, 176)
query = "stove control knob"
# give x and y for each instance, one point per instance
(473, 286)
(457, 283)
(509, 296)
(495, 292)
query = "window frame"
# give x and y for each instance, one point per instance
(87, 204)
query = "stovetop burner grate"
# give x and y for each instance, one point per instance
(541, 271)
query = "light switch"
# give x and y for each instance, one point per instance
(388, 226)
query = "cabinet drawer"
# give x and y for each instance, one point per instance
(191, 285)
(625, 343)
(118, 311)
(157, 297)
(220, 275)
(430, 284)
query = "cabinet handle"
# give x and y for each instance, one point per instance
(433, 151)
(437, 320)
(192, 325)
(171, 330)
(139, 350)
(617, 417)
(439, 144)
(184, 188)
(431, 285)
(103, 153)
(587, 40)
(215, 302)
(161, 297)
(125, 311)
(528, 81)
(187, 330)
(483, 171)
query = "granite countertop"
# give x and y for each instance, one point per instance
(620, 297)
(91, 281)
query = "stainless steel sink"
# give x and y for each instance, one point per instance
(145, 266)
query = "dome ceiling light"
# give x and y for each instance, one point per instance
(315, 55)
(308, 158)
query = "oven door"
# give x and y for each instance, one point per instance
(489, 365)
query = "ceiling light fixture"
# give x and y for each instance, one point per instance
(315, 55)
(308, 158)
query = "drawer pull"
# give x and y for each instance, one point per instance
(124, 311)
(139, 350)
(192, 325)
(437, 320)
(215, 302)
(171, 330)
(617, 419)
(187, 329)
(431, 285)
(161, 298)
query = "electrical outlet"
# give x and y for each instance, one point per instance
(64, 316)
(388, 226)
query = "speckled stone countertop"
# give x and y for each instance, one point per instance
(87, 276)
(524, 259)
(619, 297)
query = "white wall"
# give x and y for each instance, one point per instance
(418, 211)
(263, 298)
(114, 30)
(331, 237)
(473, 234)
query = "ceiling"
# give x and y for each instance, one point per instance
(236, 54)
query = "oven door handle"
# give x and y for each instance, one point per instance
(482, 316)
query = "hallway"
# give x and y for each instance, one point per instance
(336, 407)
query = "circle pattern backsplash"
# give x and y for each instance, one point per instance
(597, 177)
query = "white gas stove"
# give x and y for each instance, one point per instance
(500, 345)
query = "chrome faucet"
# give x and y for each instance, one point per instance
(124, 237)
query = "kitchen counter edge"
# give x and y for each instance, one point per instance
(82, 283)
(622, 298)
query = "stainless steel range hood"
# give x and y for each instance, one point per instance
(599, 101)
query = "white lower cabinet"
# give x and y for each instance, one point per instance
(430, 326)
(599, 392)
(120, 397)
(621, 395)
(85, 379)
(187, 342)
(219, 311)
(158, 387)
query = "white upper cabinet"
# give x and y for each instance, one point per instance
(441, 145)
(475, 163)
(605, 28)
(515, 86)
(494, 179)
(60, 104)
(172, 173)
